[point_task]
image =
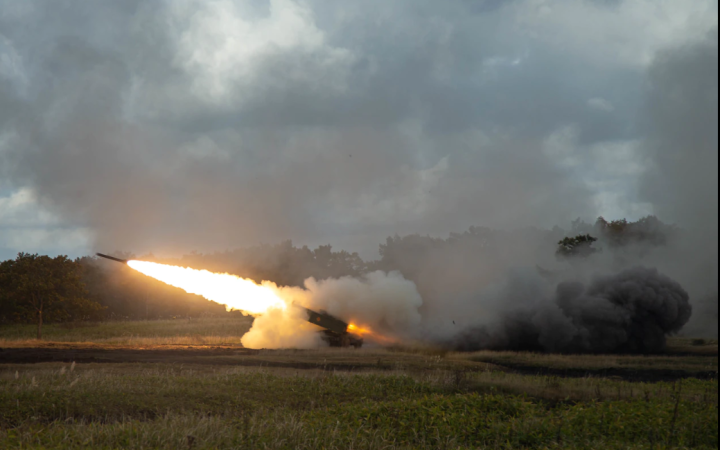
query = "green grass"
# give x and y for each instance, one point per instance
(687, 363)
(415, 397)
(470, 420)
(140, 406)
(227, 330)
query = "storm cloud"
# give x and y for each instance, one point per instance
(202, 125)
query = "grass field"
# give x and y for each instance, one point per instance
(399, 398)
(176, 331)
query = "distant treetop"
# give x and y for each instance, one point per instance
(580, 245)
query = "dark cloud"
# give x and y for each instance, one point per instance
(396, 135)
(216, 124)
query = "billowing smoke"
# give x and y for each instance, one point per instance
(280, 328)
(632, 311)
(386, 304)
(681, 179)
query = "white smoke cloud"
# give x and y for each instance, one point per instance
(282, 328)
(382, 302)
(379, 300)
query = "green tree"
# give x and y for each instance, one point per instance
(580, 245)
(7, 307)
(40, 288)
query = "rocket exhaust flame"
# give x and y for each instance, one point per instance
(357, 330)
(367, 333)
(229, 290)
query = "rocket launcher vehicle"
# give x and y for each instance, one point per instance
(335, 331)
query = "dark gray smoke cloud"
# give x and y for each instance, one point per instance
(632, 311)
(682, 176)
(680, 149)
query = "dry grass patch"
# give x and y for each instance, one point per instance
(215, 331)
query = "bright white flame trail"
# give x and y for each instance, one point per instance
(229, 290)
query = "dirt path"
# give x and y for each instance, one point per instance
(155, 354)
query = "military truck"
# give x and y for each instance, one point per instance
(335, 331)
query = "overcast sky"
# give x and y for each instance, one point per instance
(178, 125)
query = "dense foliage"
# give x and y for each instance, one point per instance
(39, 288)
(580, 245)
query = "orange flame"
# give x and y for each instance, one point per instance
(372, 335)
(357, 330)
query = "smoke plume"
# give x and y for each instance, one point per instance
(380, 302)
(282, 328)
(632, 311)
(681, 180)
(384, 302)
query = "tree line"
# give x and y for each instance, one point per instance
(40, 289)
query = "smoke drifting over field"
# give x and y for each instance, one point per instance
(631, 311)
(174, 126)
(282, 329)
(385, 304)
